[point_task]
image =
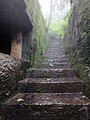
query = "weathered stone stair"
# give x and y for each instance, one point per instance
(50, 92)
(51, 73)
(50, 85)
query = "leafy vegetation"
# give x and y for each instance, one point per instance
(77, 42)
(59, 27)
(84, 38)
(38, 37)
(57, 8)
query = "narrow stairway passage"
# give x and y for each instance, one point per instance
(50, 92)
(55, 50)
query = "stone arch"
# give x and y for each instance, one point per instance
(14, 26)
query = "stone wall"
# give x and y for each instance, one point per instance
(77, 40)
(10, 74)
(27, 50)
(15, 25)
(38, 43)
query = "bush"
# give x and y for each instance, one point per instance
(59, 27)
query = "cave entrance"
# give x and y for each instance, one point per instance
(15, 27)
(5, 42)
(11, 44)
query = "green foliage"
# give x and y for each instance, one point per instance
(77, 41)
(83, 71)
(59, 27)
(83, 42)
(38, 37)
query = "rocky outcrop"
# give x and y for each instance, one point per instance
(77, 43)
(25, 15)
(10, 74)
(20, 17)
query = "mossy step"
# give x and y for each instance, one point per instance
(46, 106)
(54, 65)
(54, 50)
(59, 55)
(51, 56)
(50, 85)
(51, 73)
(46, 60)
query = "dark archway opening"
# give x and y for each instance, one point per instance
(5, 42)
(14, 24)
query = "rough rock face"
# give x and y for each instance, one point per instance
(38, 43)
(79, 17)
(25, 13)
(10, 73)
(77, 39)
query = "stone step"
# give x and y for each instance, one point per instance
(55, 61)
(60, 55)
(51, 85)
(51, 73)
(53, 50)
(52, 57)
(54, 65)
(46, 106)
(56, 51)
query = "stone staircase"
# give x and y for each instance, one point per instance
(51, 91)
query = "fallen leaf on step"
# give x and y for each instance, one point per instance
(20, 100)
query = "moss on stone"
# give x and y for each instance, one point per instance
(76, 41)
(38, 37)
